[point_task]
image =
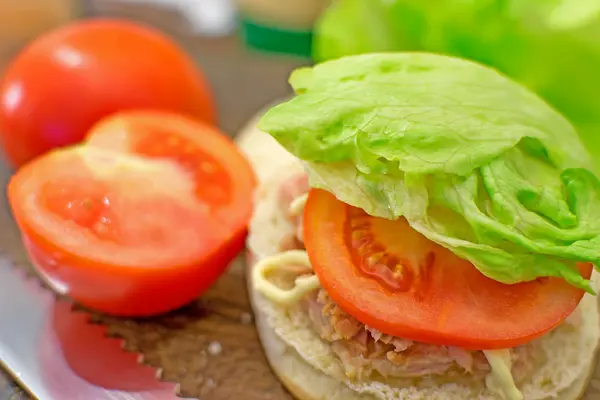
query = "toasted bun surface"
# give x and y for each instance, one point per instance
(311, 371)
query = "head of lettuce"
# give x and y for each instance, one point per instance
(550, 46)
(472, 160)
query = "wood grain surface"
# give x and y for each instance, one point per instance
(210, 347)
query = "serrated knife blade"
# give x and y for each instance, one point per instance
(56, 354)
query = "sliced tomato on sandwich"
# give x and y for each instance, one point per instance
(141, 218)
(393, 279)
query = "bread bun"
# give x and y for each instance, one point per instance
(311, 371)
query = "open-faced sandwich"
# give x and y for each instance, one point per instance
(433, 235)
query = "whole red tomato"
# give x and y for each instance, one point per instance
(68, 79)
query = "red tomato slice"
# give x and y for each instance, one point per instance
(391, 278)
(143, 225)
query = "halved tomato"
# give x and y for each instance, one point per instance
(393, 279)
(140, 219)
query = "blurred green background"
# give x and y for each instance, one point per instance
(551, 46)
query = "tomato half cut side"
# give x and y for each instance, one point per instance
(224, 179)
(128, 234)
(222, 175)
(392, 278)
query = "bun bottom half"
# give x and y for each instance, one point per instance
(305, 382)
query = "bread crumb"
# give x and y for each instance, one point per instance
(246, 318)
(214, 348)
(208, 386)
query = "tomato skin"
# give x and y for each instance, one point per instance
(69, 79)
(439, 298)
(96, 274)
(118, 292)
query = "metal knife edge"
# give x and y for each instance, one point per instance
(31, 280)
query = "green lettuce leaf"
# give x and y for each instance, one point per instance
(472, 160)
(550, 46)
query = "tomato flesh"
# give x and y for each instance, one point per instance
(150, 140)
(213, 184)
(393, 279)
(84, 203)
(131, 233)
